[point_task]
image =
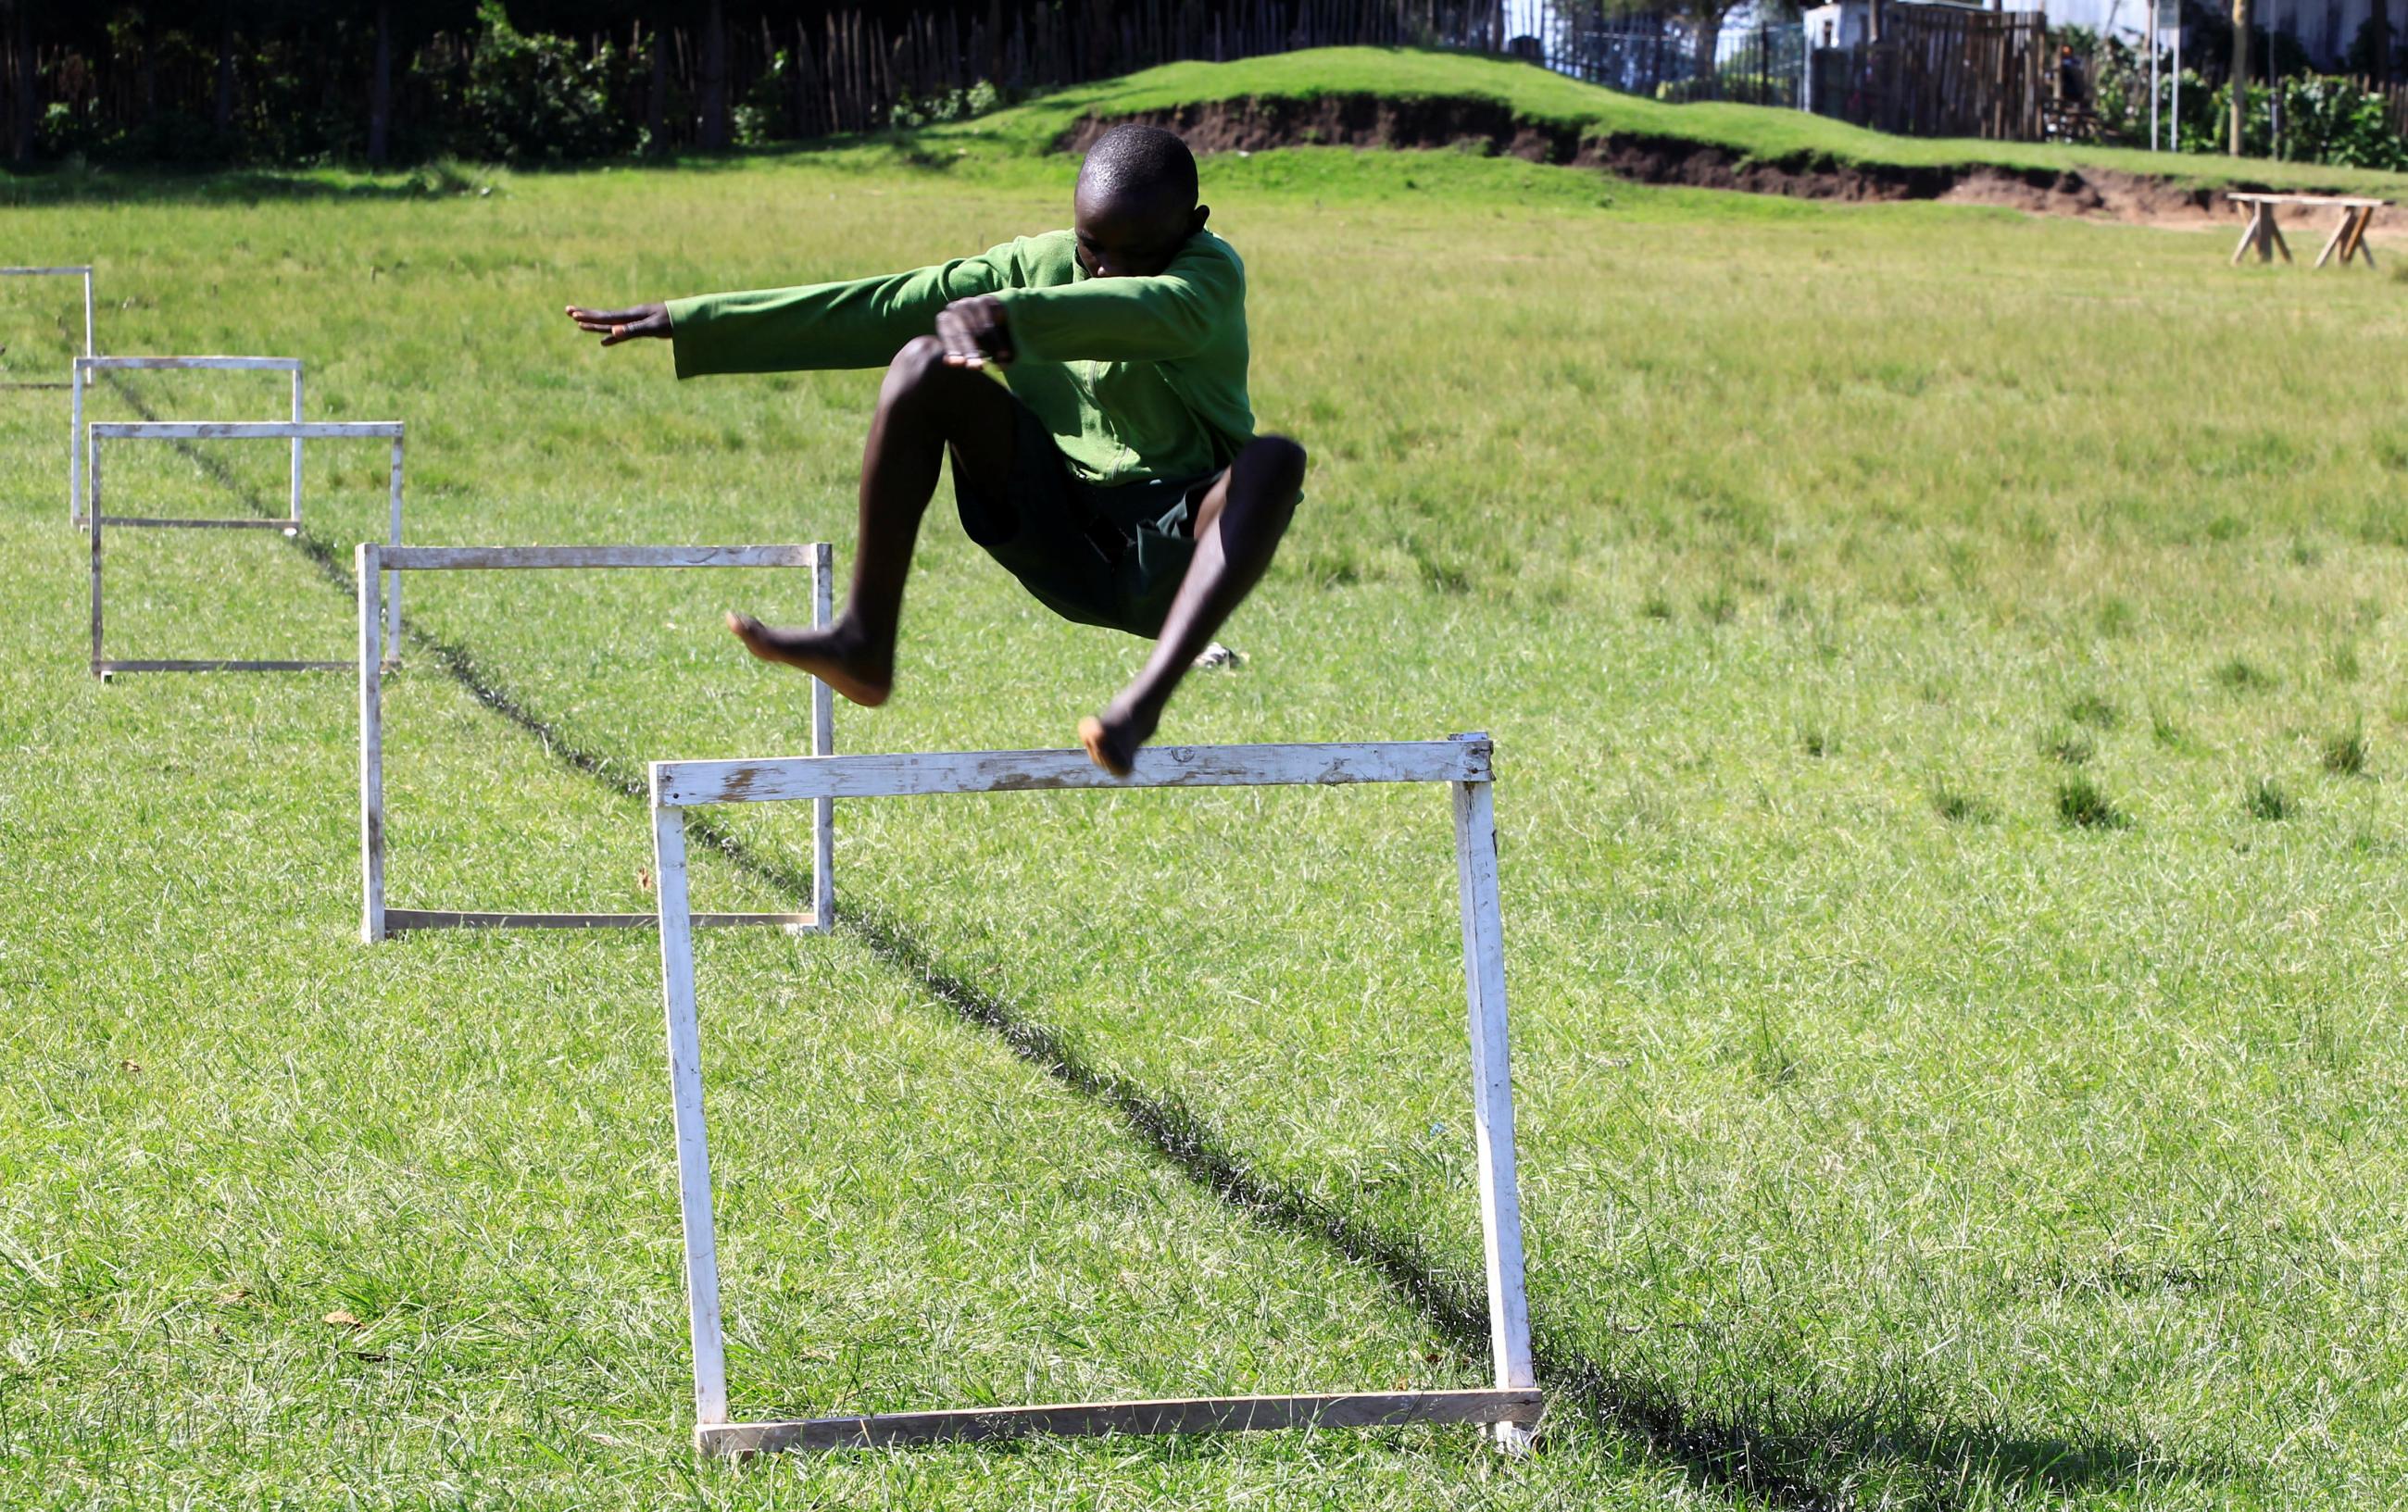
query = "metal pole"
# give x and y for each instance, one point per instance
(686, 1103)
(822, 744)
(1492, 1093)
(371, 751)
(296, 448)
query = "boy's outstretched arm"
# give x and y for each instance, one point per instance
(616, 325)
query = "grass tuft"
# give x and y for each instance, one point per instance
(2094, 711)
(2243, 676)
(2073, 746)
(2265, 799)
(2081, 803)
(2345, 751)
(1960, 808)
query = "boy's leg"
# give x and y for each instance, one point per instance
(1238, 528)
(923, 408)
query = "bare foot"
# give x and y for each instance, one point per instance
(831, 655)
(1112, 740)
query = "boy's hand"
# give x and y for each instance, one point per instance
(616, 325)
(974, 332)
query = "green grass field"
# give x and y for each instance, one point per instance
(1947, 677)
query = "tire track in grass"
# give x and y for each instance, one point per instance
(1718, 1451)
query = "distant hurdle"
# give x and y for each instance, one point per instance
(1463, 762)
(178, 429)
(378, 921)
(81, 271)
(82, 377)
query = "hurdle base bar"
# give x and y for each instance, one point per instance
(105, 670)
(1175, 1414)
(396, 920)
(287, 526)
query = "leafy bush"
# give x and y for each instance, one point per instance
(532, 99)
(2324, 120)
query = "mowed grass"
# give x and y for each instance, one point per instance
(1946, 1079)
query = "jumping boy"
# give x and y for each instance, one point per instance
(1118, 477)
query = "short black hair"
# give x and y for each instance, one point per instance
(1141, 159)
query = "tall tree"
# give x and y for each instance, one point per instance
(380, 89)
(714, 76)
(2239, 70)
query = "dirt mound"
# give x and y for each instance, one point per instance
(1253, 124)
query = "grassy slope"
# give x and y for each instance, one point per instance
(1910, 1146)
(1786, 137)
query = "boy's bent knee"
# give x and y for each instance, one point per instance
(919, 369)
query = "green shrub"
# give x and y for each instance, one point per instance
(531, 98)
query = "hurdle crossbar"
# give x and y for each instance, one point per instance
(296, 431)
(81, 377)
(377, 563)
(1463, 762)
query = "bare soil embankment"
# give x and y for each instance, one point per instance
(1368, 120)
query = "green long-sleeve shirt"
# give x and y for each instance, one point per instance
(1137, 378)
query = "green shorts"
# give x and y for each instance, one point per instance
(1102, 556)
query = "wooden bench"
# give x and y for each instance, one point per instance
(2262, 232)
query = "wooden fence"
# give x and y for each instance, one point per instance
(710, 84)
(1942, 71)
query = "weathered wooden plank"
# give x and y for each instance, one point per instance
(822, 743)
(1492, 1089)
(1179, 1414)
(684, 784)
(246, 429)
(398, 919)
(684, 1034)
(31, 273)
(170, 364)
(474, 558)
(221, 665)
(153, 523)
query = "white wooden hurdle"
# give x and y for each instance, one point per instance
(181, 430)
(378, 921)
(1463, 762)
(80, 378)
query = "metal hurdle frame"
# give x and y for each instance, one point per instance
(378, 922)
(1463, 762)
(182, 429)
(81, 380)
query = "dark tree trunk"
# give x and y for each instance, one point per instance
(714, 76)
(24, 118)
(656, 100)
(223, 115)
(380, 89)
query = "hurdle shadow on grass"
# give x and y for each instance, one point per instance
(1800, 1460)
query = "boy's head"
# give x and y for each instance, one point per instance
(1137, 201)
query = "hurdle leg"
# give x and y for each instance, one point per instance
(371, 751)
(393, 533)
(1492, 1092)
(822, 744)
(2248, 235)
(75, 443)
(92, 522)
(686, 1101)
(2339, 239)
(297, 449)
(87, 314)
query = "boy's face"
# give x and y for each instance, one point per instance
(1125, 235)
